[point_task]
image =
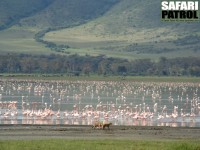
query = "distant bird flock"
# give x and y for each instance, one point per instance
(87, 102)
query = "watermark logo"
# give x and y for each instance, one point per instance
(180, 11)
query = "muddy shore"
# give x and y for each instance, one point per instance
(38, 132)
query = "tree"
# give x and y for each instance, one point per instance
(27, 65)
(163, 66)
(87, 69)
(195, 71)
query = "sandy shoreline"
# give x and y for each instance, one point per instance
(38, 132)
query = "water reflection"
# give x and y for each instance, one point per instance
(83, 102)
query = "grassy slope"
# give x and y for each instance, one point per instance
(32, 16)
(131, 29)
(20, 39)
(12, 11)
(62, 13)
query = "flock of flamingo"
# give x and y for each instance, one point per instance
(83, 102)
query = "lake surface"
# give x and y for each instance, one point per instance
(83, 102)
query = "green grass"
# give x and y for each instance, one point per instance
(113, 34)
(21, 40)
(98, 145)
(100, 78)
(128, 22)
(29, 17)
(90, 39)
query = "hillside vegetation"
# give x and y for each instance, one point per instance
(62, 13)
(21, 20)
(131, 29)
(127, 29)
(12, 11)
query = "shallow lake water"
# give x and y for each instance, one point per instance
(83, 102)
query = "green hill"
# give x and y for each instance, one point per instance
(12, 11)
(20, 20)
(50, 13)
(131, 29)
(62, 13)
(118, 28)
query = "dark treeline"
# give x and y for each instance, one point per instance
(101, 65)
(55, 47)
